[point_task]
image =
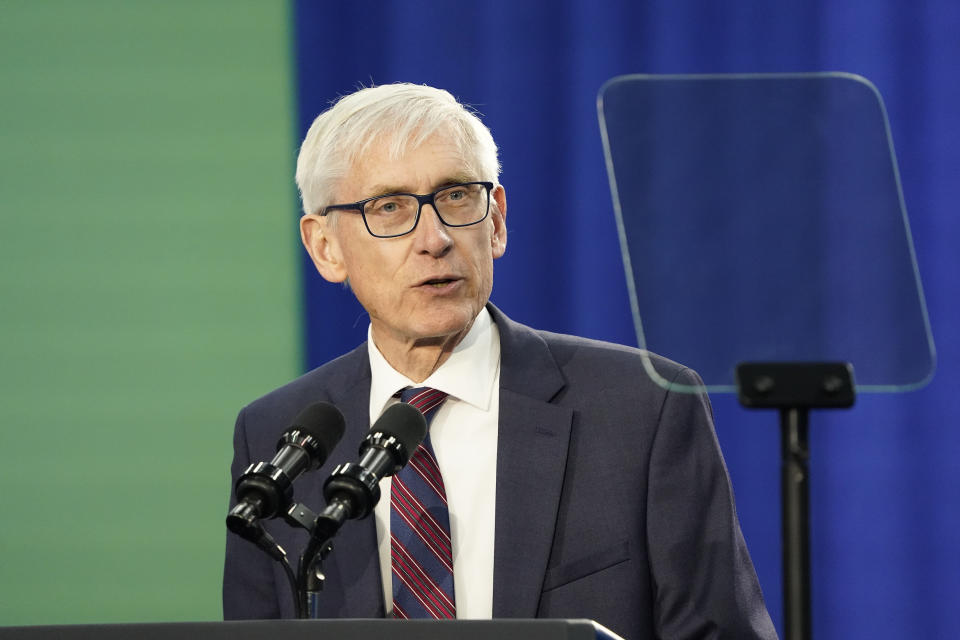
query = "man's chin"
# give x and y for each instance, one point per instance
(451, 324)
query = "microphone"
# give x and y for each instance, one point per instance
(266, 488)
(352, 490)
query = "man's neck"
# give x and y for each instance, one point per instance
(418, 359)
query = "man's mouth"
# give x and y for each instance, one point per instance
(438, 282)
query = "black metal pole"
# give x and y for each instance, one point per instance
(794, 490)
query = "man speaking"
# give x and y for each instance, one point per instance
(556, 480)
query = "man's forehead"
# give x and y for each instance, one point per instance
(436, 161)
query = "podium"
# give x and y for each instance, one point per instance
(318, 629)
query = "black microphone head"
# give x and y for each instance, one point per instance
(317, 429)
(387, 448)
(404, 423)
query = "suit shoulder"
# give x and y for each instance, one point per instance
(314, 386)
(609, 359)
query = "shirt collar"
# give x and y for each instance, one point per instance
(468, 374)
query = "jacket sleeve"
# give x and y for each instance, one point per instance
(705, 585)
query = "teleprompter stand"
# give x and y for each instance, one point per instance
(793, 389)
(764, 236)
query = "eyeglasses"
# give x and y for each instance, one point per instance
(397, 214)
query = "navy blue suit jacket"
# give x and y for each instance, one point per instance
(612, 499)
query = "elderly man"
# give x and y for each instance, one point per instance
(561, 481)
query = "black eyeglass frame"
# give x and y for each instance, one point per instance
(421, 200)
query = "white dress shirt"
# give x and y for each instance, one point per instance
(464, 436)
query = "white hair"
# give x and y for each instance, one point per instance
(402, 116)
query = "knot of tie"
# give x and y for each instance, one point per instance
(423, 398)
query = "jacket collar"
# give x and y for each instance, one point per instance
(532, 447)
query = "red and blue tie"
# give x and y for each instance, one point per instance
(420, 547)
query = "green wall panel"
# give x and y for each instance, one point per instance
(148, 288)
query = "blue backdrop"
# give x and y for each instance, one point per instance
(884, 494)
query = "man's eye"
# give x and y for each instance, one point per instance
(385, 206)
(455, 195)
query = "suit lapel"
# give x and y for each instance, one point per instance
(531, 457)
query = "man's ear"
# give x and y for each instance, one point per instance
(323, 247)
(498, 213)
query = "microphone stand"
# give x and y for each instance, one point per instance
(351, 492)
(256, 534)
(307, 582)
(322, 528)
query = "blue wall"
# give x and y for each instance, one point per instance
(885, 481)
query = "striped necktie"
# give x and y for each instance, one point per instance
(420, 548)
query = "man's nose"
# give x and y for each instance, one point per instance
(431, 234)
